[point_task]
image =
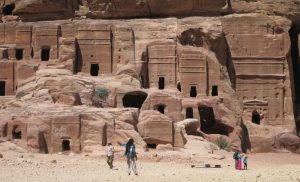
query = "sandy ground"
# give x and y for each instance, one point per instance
(17, 165)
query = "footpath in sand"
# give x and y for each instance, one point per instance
(18, 166)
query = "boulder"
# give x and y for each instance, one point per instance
(93, 133)
(155, 128)
(289, 141)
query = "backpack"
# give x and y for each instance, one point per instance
(131, 152)
(235, 155)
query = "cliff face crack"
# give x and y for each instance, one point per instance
(295, 54)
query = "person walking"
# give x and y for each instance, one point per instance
(110, 155)
(131, 156)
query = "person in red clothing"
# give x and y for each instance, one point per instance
(240, 165)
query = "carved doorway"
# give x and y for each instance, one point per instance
(2, 88)
(66, 145)
(214, 91)
(19, 54)
(207, 119)
(17, 133)
(94, 69)
(189, 113)
(45, 53)
(256, 117)
(161, 83)
(193, 91)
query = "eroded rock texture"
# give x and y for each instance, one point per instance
(211, 68)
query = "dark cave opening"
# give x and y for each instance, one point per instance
(160, 108)
(161, 83)
(8, 9)
(214, 91)
(295, 55)
(19, 54)
(193, 91)
(134, 99)
(255, 117)
(179, 86)
(45, 53)
(189, 113)
(208, 123)
(207, 118)
(2, 88)
(151, 146)
(65, 145)
(94, 70)
(17, 133)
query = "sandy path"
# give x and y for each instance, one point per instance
(25, 167)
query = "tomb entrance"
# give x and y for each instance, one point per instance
(134, 99)
(2, 88)
(94, 69)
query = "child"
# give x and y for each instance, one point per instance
(110, 155)
(245, 161)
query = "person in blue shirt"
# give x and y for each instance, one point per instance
(245, 162)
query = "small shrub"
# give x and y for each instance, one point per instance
(20, 95)
(100, 96)
(102, 93)
(223, 144)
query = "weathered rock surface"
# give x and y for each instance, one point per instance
(155, 128)
(289, 141)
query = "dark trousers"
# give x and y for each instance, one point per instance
(110, 160)
(245, 165)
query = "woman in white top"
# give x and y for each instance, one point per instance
(110, 155)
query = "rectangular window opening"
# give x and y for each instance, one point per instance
(19, 54)
(193, 92)
(94, 70)
(214, 91)
(2, 88)
(45, 53)
(5, 54)
(65, 145)
(189, 113)
(161, 83)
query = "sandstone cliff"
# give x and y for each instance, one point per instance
(77, 74)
